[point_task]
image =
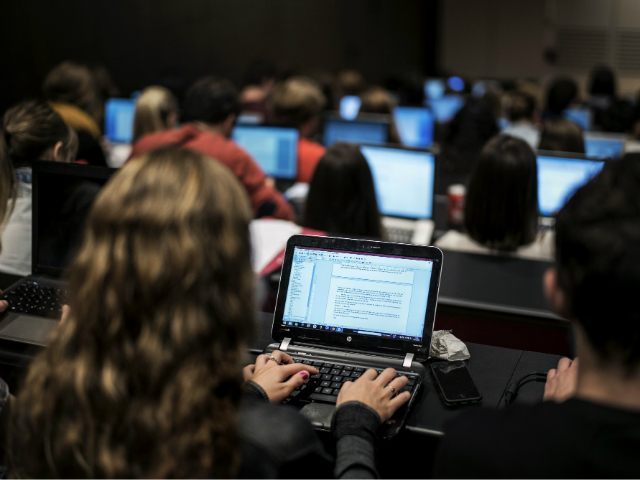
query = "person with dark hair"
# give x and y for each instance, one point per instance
(74, 94)
(465, 135)
(342, 197)
(561, 94)
(209, 112)
(520, 110)
(501, 204)
(144, 376)
(588, 426)
(31, 131)
(610, 113)
(298, 102)
(378, 101)
(561, 135)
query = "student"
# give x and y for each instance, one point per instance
(588, 426)
(31, 131)
(210, 110)
(342, 197)
(561, 94)
(298, 102)
(73, 93)
(501, 205)
(520, 109)
(156, 111)
(144, 377)
(378, 101)
(561, 135)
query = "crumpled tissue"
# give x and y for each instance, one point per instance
(446, 346)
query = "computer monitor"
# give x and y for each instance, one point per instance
(434, 88)
(404, 180)
(274, 148)
(118, 119)
(579, 115)
(559, 177)
(604, 145)
(350, 107)
(446, 107)
(415, 126)
(456, 84)
(356, 131)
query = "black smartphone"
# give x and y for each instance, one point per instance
(455, 383)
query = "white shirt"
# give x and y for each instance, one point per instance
(15, 256)
(526, 131)
(540, 249)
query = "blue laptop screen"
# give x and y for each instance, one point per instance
(350, 106)
(118, 119)
(355, 132)
(559, 178)
(602, 147)
(275, 149)
(404, 180)
(446, 107)
(581, 116)
(415, 126)
(358, 293)
(434, 88)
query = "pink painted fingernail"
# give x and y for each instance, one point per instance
(304, 374)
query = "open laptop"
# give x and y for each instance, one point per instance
(446, 107)
(350, 107)
(604, 145)
(559, 176)
(62, 197)
(348, 305)
(404, 179)
(415, 126)
(434, 88)
(355, 131)
(274, 148)
(579, 115)
(118, 119)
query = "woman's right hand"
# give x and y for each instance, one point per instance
(377, 392)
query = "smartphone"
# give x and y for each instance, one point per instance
(455, 383)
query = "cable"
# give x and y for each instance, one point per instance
(512, 391)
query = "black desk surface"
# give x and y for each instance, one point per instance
(492, 369)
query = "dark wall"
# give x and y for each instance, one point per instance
(146, 41)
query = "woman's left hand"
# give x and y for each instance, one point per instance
(277, 374)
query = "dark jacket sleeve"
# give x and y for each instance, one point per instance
(355, 426)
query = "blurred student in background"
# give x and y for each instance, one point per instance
(561, 135)
(209, 114)
(378, 101)
(156, 111)
(520, 110)
(501, 204)
(31, 131)
(298, 102)
(342, 198)
(73, 92)
(561, 94)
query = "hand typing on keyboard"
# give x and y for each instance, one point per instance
(380, 392)
(277, 374)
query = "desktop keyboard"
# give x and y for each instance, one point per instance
(399, 235)
(33, 298)
(325, 386)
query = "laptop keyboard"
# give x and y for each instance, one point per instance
(325, 386)
(33, 298)
(399, 235)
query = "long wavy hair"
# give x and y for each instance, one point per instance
(144, 377)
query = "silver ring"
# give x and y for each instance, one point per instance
(272, 357)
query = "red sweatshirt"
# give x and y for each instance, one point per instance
(265, 200)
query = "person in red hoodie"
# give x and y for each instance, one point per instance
(298, 103)
(209, 113)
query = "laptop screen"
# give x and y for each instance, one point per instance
(446, 107)
(358, 293)
(434, 88)
(63, 195)
(415, 126)
(581, 116)
(274, 148)
(357, 131)
(559, 177)
(604, 147)
(118, 119)
(350, 106)
(404, 180)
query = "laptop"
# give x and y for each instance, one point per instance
(63, 194)
(604, 145)
(350, 107)
(415, 126)
(355, 131)
(434, 88)
(274, 148)
(118, 119)
(347, 305)
(580, 115)
(404, 180)
(559, 176)
(446, 107)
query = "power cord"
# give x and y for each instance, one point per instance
(512, 391)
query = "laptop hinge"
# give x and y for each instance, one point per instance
(408, 359)
(284, 345)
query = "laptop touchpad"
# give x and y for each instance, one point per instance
(29, 329)
(319, 414)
